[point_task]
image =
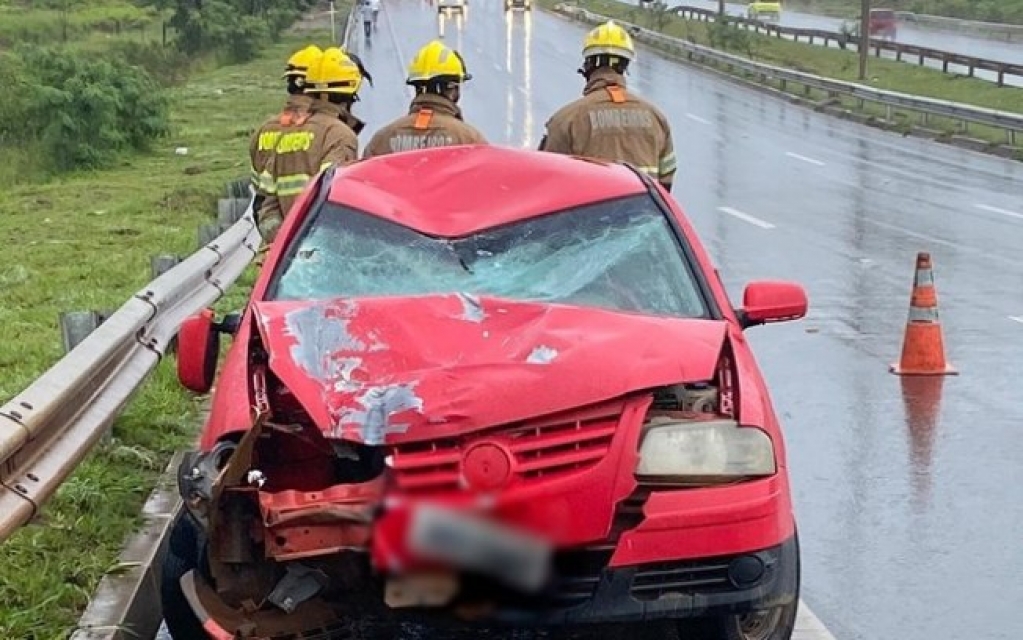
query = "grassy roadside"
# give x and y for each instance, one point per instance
(833, 63)
(84, 242)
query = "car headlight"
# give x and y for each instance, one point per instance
(704, 448)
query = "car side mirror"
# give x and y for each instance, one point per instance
(199, 348)
(770, 301)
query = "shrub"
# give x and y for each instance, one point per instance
(80, 112)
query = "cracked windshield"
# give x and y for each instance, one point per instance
(619, 255)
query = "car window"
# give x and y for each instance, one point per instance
(621, 254)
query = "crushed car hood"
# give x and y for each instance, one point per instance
(389, 370)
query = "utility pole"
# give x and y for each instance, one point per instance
(864, 37)
(721, 7)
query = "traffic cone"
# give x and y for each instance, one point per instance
(923, 349)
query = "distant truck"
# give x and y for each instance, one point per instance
(525, 5)
(769, 10)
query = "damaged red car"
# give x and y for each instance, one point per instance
(480, 386)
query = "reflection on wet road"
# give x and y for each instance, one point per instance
(1011, 52)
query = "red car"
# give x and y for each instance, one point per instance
(882, 23)
(486, 386)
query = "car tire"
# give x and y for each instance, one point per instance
(185, 547)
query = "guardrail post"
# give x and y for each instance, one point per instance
(230, 210)
(76, 326)
(208, 233)
(160, 265)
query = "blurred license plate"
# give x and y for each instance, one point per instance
(518, 559)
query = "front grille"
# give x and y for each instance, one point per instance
(551, 447)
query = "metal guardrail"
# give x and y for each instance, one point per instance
(47, 429)
(1011, 123)
(844, 40)
(988, 30)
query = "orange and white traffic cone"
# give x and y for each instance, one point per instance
(923, 349)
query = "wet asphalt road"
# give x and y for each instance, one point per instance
(908, 33)
(907, 497)
(963, 44)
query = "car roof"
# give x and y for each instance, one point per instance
(458, 190)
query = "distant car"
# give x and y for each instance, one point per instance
(451, 6)
(485, 385)
(764, 10)
(526, 5)
(882, 24)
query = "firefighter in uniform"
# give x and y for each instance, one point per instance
(326, 135)
(262, 144)
(608, 122)
(434, 118)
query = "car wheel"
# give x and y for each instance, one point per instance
(773, 624)
(185, 547)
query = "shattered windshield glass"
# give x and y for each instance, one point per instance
(619, 255)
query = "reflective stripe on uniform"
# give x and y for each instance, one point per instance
(254, 177)
(668, 163)
(325, 165)
(291, 185)
(266, 182)
(650, 171)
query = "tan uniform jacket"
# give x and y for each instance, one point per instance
(611, 124)
(432, 121)
(328, 136)
(264, 140)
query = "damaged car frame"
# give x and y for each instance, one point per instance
(483, 386)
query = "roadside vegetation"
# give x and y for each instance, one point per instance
(86, 81)
(78, 240)
(832, 63)
(1005, 11)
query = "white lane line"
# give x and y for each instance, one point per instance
(804, 158)
(1018, 319)
(745, 217)
(1004, 212)
(809, 626)
(693, 116)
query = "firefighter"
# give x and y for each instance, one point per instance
(265, 139)
(434, 118)
(325, 136)
(608, 122)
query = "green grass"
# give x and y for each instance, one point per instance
(103, 21)
(835, 63)
(84, 242)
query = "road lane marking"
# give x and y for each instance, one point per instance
(804, 158)
(397, 48)
(693, 116)
(1004, 212)
(1018, 319)
(745, 217)
(809, 626)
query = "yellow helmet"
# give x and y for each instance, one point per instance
(333, 72)
(609, 39)
(436, 62)
(299, 61)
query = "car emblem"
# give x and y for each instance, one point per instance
(487, 466)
